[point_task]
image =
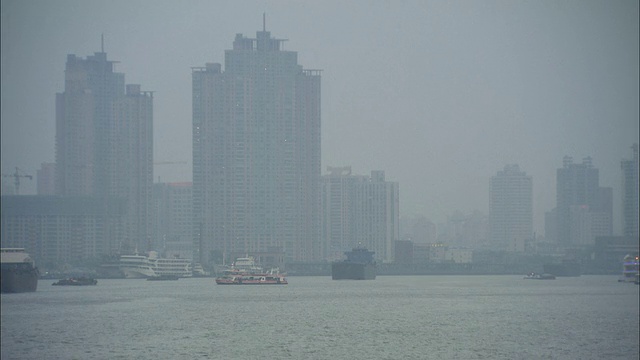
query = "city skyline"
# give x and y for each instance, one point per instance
(439, 105)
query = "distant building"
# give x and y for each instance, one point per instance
(510, 209)
(584, 210)
(403, 252)
(59, 230)
(464, 230)
(551, 225)
(420, 230)
(256, 153)
(104, 144)
(630, 194)
(359, 211)
(46, 179)
(173, 219)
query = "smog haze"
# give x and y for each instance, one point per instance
(439, 94)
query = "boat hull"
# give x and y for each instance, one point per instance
(19, 281)
(353, 271)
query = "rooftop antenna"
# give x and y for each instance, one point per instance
(264, 21)
(102, 41)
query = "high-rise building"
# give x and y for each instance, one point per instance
(173, 225)
(104, 145)
(510, 209)
(359, 211)
(584, 210)
(256, 153)
(46, 179)
(630, 194)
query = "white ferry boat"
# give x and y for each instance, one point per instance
(141, 266)
(244, 271)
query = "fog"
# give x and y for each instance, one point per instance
(439, 94)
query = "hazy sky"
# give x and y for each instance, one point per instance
(439, 94)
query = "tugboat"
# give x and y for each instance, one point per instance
(19, 272)
(359, 265)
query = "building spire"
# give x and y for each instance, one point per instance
(264, 21)
(102, 42)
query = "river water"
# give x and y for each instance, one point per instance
(392, 317)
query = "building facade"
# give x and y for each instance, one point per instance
(60, 230)
(584, 210)
(104, 145)
(173, 219)
(359, 211)
(46, 179)
(630, 194)
(256, 153)
(510, 209)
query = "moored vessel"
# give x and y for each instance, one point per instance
(146, 266)
(359, 265)
(18, 271)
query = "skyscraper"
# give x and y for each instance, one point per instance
(510, 209)
(104, 145)
(630, 194)
(256, 153)
(584, 210)
(359, 211)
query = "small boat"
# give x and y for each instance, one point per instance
(162, 277)
(536, 276)
(80, 281)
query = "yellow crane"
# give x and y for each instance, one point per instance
(16, 176)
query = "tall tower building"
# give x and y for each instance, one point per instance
(46, 179)
(359, 211)
(104, 145)
(510, 209)
(584, 210)
(256, 153)
(630, 194)
(173, 225)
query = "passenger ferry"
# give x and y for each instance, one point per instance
(244, 271)
(141, 266)
(630, 269)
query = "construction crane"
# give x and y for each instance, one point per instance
(16, 176)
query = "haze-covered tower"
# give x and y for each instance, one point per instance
(511, 209)
(630, 194)
(256, 153)
(104, 146)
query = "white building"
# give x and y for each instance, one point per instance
(510, 209)
(359, 211)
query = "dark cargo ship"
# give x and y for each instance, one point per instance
(359, 265)
(19, 273)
